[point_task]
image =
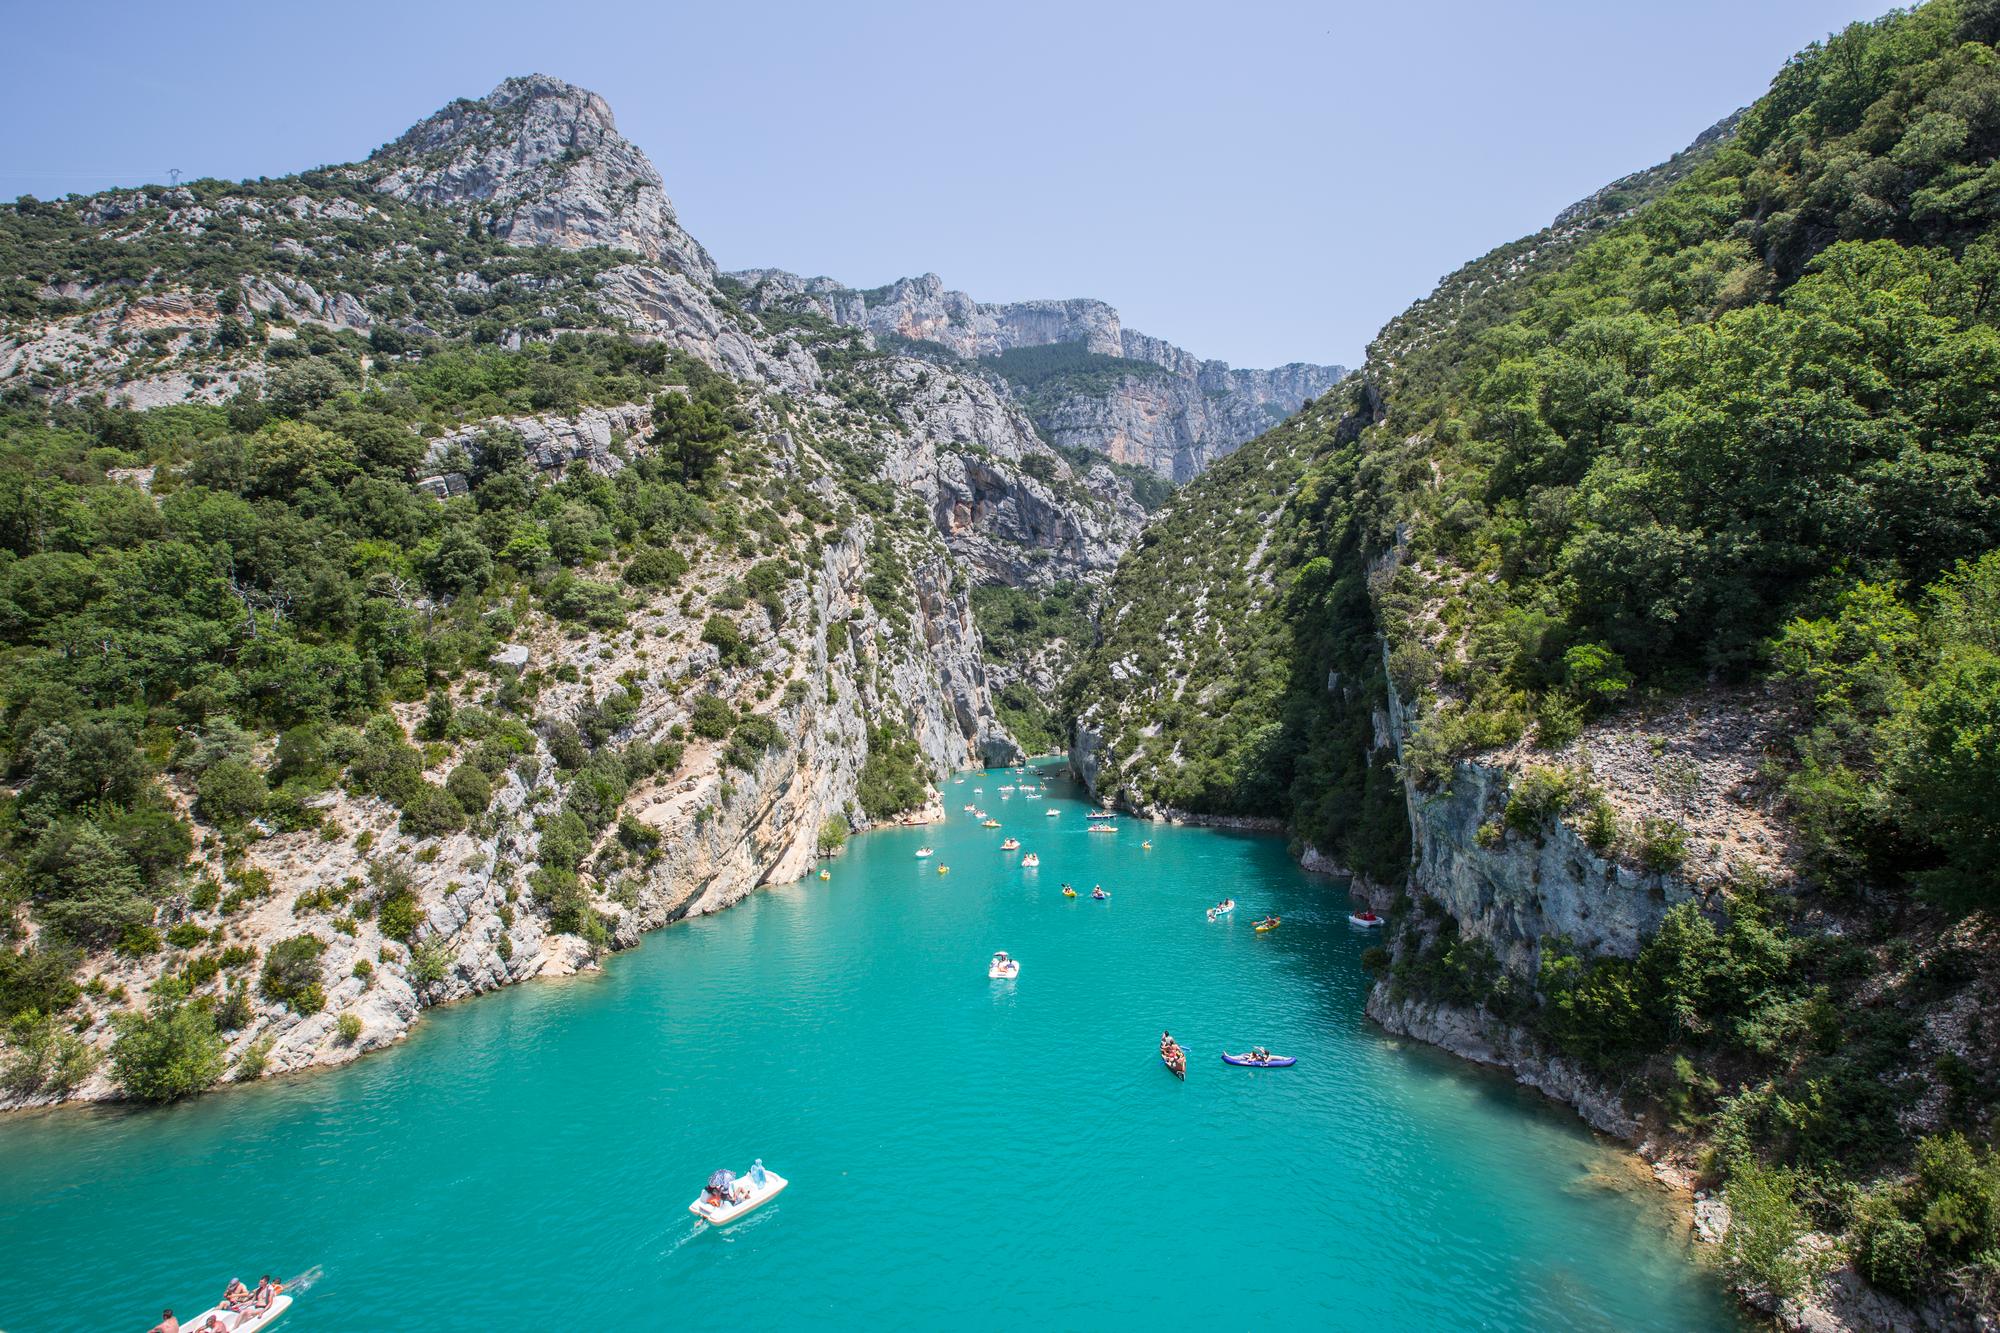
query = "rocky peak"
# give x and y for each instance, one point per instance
(542, 163)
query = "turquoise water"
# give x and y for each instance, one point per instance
(962, 1152)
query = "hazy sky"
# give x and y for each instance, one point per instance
(1259, 182)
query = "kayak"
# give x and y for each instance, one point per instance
(1365, 920)
(774, 1184)
(1275, 1062)
(244, 1322)
(1180, 1073)
(825, 874)
(1068, 892)
(1099, 894)
(1272, 924)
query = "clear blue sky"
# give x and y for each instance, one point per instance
(1262, 182)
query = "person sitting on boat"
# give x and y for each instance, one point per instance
(267, 1291)
(757, 1172)
(235, 1296)
(1259, 1054)
(167, 1324)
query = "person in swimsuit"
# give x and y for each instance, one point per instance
(167, 1324)
(235, 1296)
(267, 1291)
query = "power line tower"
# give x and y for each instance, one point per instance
(174, 175)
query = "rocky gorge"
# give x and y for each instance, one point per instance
(909, 483)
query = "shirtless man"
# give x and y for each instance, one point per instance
(235, 1296)
(167, 1324)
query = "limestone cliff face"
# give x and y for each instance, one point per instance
(922, 308)
(543, 163)
(1009, 506)
(1519, 890)
(1174, 419)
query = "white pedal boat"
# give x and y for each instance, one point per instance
(755, 1197)
(1030, 861)
(923, 852)
(1003, 968)
(244, 1322)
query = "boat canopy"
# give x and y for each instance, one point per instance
(722, 1180)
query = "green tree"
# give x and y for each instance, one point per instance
(170, 1052)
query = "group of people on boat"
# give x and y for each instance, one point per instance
(243, 1302)
(1175, 1057)
(1222, 908)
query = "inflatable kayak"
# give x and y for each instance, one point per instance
(1099, 894)
(1274, 1062)
(1068, 892)
(245, 1322)
(1365, 920)
(1271, 924)
(753, 1196)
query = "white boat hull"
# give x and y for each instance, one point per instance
(774, 1185)
(1007, 973)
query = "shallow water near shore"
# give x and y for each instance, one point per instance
(962, 1152)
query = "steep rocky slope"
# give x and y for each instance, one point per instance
(1627, 628)
(475, 586)
(1098, 386)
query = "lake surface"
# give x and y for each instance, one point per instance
(963, 1152)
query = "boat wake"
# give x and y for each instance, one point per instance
(304, 1281)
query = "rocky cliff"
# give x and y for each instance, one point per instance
(1135, 399)
(861, 497)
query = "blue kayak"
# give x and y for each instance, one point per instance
(1275, 1062)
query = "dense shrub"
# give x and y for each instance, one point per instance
(169, 1052)
(291, 974)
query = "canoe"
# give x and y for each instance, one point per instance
(774, 1184)
(1275, 1062)
(245, 1322)
(1180, 1073)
